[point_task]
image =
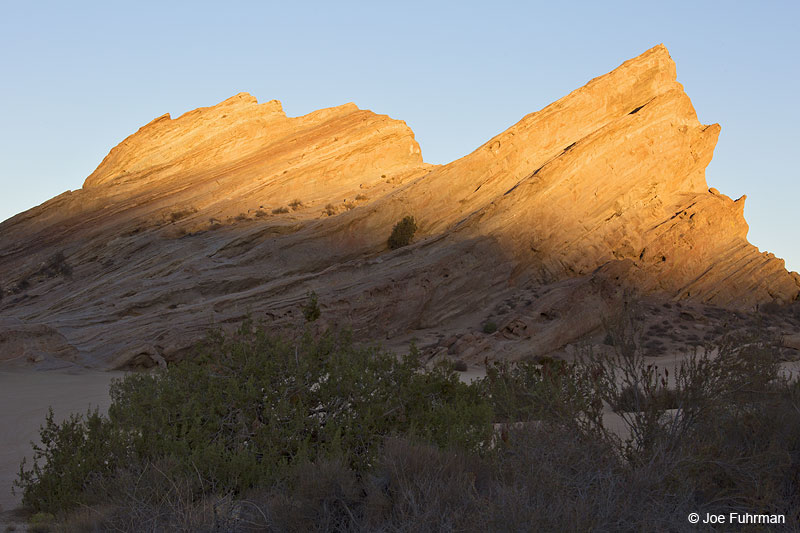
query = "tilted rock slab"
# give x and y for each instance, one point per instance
(238, 210)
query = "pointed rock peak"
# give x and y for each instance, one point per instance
(655, 63)
(658, 53)
(165, 117)
(237, 99)
(329, 112)
(739, 203)
(657, 49)
(246, 99)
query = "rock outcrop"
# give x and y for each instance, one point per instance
(238, 210)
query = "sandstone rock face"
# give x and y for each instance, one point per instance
(237, 209)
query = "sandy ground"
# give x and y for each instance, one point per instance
(25, 396)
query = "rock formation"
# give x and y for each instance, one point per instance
(237, 210)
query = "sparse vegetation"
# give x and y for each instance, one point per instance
(402, 233)
(330, 210)
(320, 434)
(181, 213)
(260, 213)
(246, 413)
(489, 327)
(22, 285)
(361, 197)
(311, 310)
(241, 217)
(296, 204)
(56, 265)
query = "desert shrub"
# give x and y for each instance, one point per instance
(561, 480)
(419, 487)
(311, 310)
(330, 210)
(316, 433)
(402, 233)
(296, 204)
(40, 523)
(280, 210)
(460, 366)
(22, 285)
(69, 455)
(240, 217)
(361, 197)
(526, 390)
(56, 265)
(660, 411)
(630, 398)
(261, 213)
(153, 497)
(489, 327)
(350, 206)
(249, 409)
(177, 215)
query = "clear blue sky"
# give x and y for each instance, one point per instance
(78, 77)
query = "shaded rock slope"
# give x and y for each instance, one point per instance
(238, 210)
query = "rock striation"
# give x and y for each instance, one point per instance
(237, 209)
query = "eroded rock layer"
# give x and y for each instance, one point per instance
(237, 210)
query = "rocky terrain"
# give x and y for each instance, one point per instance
(524, 247)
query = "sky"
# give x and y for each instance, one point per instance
(76, 78)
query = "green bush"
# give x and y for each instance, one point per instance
(402, 233)
(526, 390)
(320, 434)
(489, 327)
(70, 454)
(251, 408)
(311, 309)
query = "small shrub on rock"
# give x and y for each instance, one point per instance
(311, 309)
(402, 233)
